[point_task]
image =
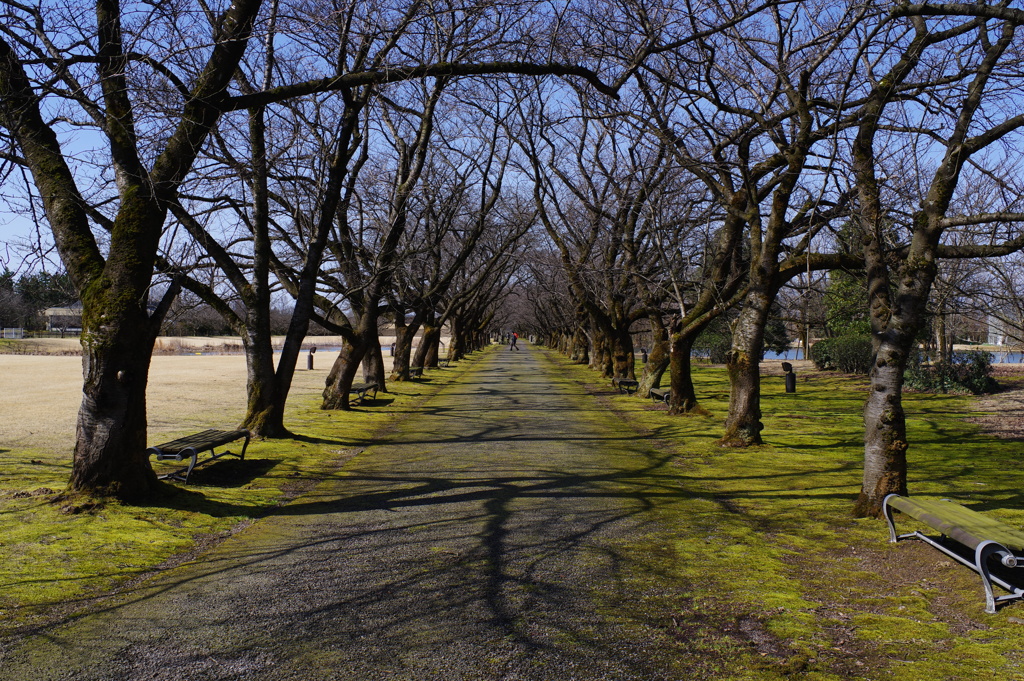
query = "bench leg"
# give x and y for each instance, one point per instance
(244, 445)
(194, 458)
(981, 556)
(887, 512)
(985, 551)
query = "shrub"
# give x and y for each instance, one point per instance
(965, 372)
(713, 346)
(851, 354)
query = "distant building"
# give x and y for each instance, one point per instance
(63, 318)
(1003, 331)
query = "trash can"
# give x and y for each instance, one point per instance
(790, 377)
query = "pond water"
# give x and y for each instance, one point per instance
(794, 354)
(1007, 357)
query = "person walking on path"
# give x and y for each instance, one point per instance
(512, 345)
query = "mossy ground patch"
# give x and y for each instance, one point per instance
(775, 578)
(782, 572)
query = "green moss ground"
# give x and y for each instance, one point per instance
(57, 555)
(782, 581)
(783, 573)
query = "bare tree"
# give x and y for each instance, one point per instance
(150, 157)
(604, 190)
(962, 119)
(61, 68)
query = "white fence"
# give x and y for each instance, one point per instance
(12, 333)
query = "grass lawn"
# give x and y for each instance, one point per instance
(779, 568)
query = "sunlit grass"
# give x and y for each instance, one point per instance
(768, 533)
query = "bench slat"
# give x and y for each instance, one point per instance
(986, 539)
(203, 440)
(968, 527)
(191, 445)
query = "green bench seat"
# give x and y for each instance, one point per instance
(986, 537)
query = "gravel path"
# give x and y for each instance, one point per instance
(506, 532)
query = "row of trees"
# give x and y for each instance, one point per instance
(799, 138)
(235, 149)
(608, 162)
(23, 298)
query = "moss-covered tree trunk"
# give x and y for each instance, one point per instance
(657, 360)
(743, 425)
(684, 395)
(110, 448)
(623, 359)
(343, 372)
(885, 432)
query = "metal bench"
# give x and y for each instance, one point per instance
(985, 537)
(662, 394)
(443, 362)
(415, 372)
(191, 446)
(626, 385)
(361, 389)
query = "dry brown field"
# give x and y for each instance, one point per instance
(40, 393)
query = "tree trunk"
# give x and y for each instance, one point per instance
(343, 372)
(342, 375)
(264, 413)
(373, 365)
(743, 426)
(427, 352)
(404, 335)
(657, 360)
(943, 346)
(458, 346)
(684, 396)
(885, 432)
(581, 346)
(601, 354)
(110, 450)
(623, 361)
(885, 427)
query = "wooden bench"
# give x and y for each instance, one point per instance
(361, 389)
(626, 385)
(191, 446)
(661, 394)
(415, 372)
(983, 537)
